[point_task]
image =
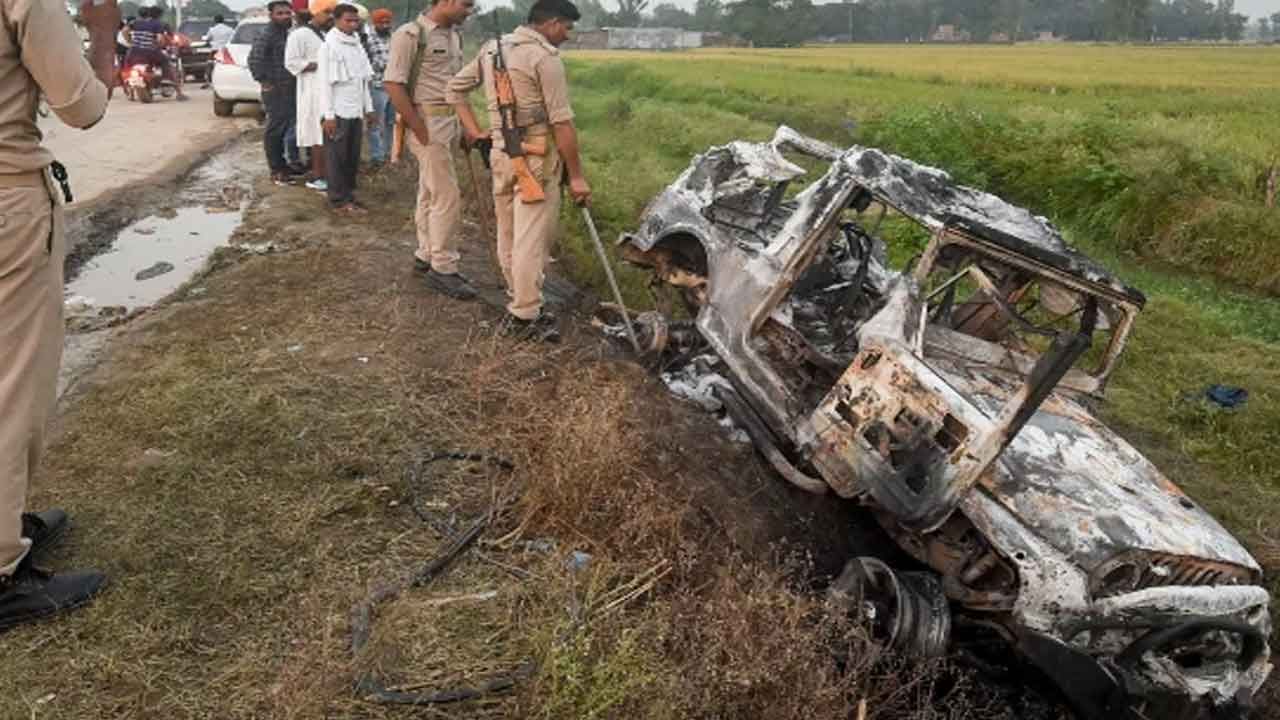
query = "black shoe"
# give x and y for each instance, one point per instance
(420, 265)
(542, 328)
(30, 593)
(455, 286)
(45, 529)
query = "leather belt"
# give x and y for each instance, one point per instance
(436, 110)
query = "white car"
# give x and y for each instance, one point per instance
(232, 81)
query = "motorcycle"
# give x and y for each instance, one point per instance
(141, 81)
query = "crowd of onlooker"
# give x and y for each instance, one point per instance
(320, 66)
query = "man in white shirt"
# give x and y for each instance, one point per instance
(219, 35)
(343, 77)
(301, 58)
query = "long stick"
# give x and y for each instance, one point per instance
(482, 209)
(608, 271)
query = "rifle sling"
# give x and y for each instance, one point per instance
(416, 69)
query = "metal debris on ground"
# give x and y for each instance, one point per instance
(460, 541)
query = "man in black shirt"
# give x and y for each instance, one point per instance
(266, 62)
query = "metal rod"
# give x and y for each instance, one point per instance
(483, 211)
(608, 271)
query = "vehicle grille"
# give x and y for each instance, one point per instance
(1140, 570)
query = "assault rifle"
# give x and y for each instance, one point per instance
(527, 186)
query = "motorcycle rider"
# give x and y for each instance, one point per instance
(148, 37)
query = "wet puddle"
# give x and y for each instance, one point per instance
(147, 260)
(150, 259)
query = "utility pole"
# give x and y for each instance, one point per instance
(850, 20)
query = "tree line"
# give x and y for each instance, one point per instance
(790, 22)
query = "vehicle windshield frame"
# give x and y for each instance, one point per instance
(1090, 382)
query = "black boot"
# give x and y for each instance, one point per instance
(45, 529)
(454, 285)
(543, 328)
(31, 593)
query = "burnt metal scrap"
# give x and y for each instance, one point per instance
(955, 398)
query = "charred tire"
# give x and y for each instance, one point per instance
(907, 611)
(1253, 642)
(223, 108)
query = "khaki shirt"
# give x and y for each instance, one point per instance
(441, 58)
(41, 51)
(537, 80)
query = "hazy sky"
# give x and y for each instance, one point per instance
(1258, 8)
(1253, 8)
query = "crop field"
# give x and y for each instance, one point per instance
(1149, 159)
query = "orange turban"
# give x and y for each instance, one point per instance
(380, 14)
(320, 6)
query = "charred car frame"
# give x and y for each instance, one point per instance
(954, 399)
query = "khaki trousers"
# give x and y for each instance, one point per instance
(526, 230)
(32, 245)
(439, 200)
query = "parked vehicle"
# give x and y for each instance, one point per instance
(232, 82)
(197, 56)
(955, 398)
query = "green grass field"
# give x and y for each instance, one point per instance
(1148, 158)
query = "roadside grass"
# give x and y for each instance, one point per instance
(643, 117)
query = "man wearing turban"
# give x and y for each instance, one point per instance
(384, 113)
(302, 58)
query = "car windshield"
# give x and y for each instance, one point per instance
(195, 29)
(248, 32)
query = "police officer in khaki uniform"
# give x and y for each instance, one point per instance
(434, 39)
(526, 230)
(40, 52)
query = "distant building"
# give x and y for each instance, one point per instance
(999, 37)
(1046, 36)
(587, 40)
(722, 39)
(653, 39)
(648, 39)
(949, 34)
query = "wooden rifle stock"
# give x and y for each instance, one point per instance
(528, 189)
(397, 139)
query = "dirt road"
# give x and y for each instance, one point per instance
(137, 143)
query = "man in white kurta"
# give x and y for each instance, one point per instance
(345, 75)
(301, 58)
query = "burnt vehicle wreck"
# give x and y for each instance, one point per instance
(954, 400)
